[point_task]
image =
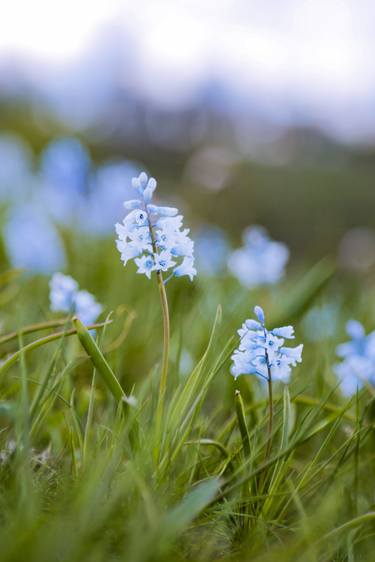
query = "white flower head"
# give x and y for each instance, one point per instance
(154, 236)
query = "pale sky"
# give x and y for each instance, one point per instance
(318, 52)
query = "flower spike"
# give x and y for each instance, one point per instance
(153, 236)
(262, 352)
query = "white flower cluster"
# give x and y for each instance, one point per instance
(262, 352)
(153, 236)
(65, 296)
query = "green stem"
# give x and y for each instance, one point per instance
(12, 359)
(33, 328)
(166, 338)
(270, 415)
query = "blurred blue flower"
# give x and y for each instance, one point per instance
(358, 359)
(153, 235)
(211, 250)
(32, 241)
(65, 296)
(65, 167)
(109, 187)
(321, 322)
(86, 307)
(262, 352)
(16, 175)
(260, 261)
(63, 289)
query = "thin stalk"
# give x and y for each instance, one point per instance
(12, 359)
(166, 338)
(270, 412)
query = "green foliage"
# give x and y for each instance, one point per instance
(79, 478)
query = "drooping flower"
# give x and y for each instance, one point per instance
(153, 236)
(262, 351)
(358, 359)
(260, 261)
(65, 296)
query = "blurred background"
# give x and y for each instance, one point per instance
(247, 111)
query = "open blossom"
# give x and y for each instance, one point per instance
(262, 352)
(154, 236)
(65, 296)
(260, 261)
(358, 359)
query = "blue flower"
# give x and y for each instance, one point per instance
(65, 296)
(110, 184)
(186, 268)
(358, 364)
(146, 264)
(211, 250)
(32, 241)
(262, 352)
(63, 290)
(260, 261)
(86, 307)
(321, 322)
(65, 167)
(154, 236)
(16, 176)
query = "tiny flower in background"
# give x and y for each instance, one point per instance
(358, 359)
(211, 250)
(261, 261)
(32, 241)
(262, 352)
(65, 296)
(64, 174)
(153, 236)
(321, 322)
(63, 289)
(110, 185)
(16, 175)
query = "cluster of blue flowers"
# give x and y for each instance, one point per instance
(64, 190)
(358, 359)
(153, 235)
(262, 352)
(260, 261)
(65, 296)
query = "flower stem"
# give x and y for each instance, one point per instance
(164, 370)
(270, 411)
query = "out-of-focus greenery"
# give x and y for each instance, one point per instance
(84, 478)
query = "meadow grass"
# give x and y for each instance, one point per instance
(88, 475)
